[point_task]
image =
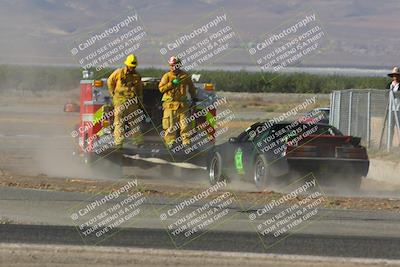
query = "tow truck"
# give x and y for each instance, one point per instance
(94, 133)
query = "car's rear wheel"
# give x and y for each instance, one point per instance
(215, 173)
(261, 173)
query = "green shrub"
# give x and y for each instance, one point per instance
(44, 78)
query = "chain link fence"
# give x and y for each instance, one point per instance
(362, 112)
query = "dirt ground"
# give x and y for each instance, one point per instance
(60, 255)
(36, 148)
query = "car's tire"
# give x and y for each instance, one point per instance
(261, 172)
(214, 167)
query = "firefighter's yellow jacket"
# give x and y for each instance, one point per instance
(122, 84)
(176, 93)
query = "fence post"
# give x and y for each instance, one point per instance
(369, 119)
(350, 109)
(339, 107)
(332, 108)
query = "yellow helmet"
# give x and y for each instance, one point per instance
(130, 61)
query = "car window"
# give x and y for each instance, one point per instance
(250, 134)
(246, 136)
(325, 113)
(327, 130)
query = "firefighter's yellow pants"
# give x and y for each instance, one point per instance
(127, 121)
(176, 117)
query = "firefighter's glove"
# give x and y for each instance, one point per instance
(176, 81)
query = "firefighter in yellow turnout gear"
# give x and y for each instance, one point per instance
(175, 85)
(126, 88)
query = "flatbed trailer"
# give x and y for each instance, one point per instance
(95, 129)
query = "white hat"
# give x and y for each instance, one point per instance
(395, 71)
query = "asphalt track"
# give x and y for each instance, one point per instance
(298, 244)
(340, 233)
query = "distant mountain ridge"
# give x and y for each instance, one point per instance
(363, 32)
